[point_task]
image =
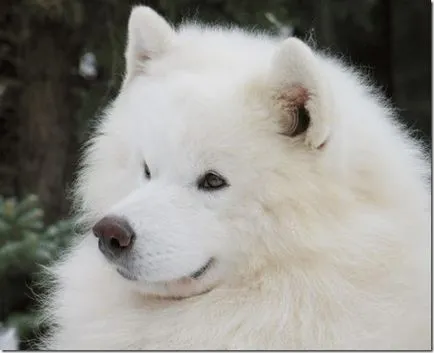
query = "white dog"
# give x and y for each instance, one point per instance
(244, 192)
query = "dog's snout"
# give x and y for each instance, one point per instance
(115, 235)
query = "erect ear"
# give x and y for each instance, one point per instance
(302, 93)
(149, 35)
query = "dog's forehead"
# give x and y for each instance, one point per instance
(193, 117)
(187, 106)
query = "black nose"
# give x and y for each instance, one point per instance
(115, 235)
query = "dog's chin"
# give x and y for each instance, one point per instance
(200, 282)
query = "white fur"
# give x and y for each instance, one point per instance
(315, 248)
(8, 339)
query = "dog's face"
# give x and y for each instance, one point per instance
(187, 175)
(190, 167)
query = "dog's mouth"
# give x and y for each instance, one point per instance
(194, 276)
(204, 269)
(126, 274)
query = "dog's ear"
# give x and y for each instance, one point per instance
(301, 92)
(149, 35)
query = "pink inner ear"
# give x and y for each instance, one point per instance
(293, 101)
(294, 97)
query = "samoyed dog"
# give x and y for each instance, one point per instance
(245, 192)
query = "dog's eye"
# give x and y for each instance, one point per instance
(146, 171)
(211, 181)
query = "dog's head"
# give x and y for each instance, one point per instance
(198, 165)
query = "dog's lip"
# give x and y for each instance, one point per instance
(126, 274)
(195, 275)
(201, 271)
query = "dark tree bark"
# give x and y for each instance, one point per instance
(411, 57)
(46, 116)
(324, 23)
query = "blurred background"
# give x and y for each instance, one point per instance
(61, 62)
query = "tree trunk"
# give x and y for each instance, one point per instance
(411, 70)
(324, 23)
(46, 114)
